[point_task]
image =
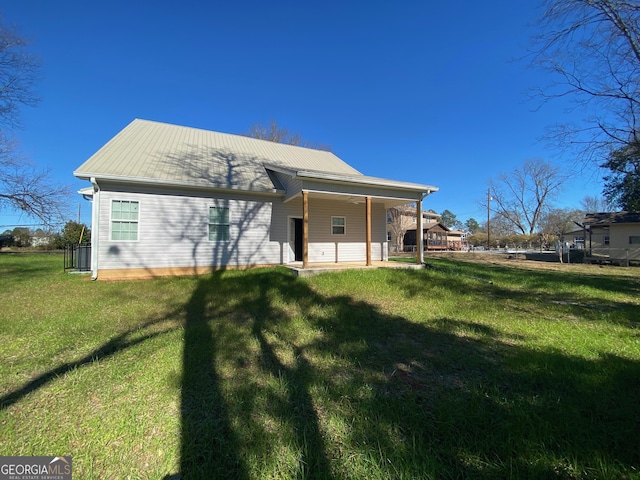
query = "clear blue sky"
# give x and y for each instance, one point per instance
(429, 92)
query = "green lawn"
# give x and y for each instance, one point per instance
(459, 371)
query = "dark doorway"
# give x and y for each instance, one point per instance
(296, 233)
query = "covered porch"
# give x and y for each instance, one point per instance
(365, 198)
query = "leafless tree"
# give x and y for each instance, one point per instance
(594, 204)
(23, 186)
(560, 221)
(274, 133)
(592, 50)
(399, 220)
(522, 196)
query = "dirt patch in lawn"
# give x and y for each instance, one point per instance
(520, 260)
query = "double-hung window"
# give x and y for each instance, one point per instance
(338, 225)
(218, 224)
(124, 220)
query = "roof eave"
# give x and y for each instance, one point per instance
(171, 183)
(373, 181)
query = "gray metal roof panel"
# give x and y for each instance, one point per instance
(165, 153)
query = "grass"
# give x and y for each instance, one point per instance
(433, 373)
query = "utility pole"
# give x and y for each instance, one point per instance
(488, 219)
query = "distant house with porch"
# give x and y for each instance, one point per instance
(435, 236)
(401, 220)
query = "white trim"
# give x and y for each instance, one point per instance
(95, 228)
(344, 226)
(111, 220)
(174, 183)
(365, 180)
(218, 204)
(291, 253)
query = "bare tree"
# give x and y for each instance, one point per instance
(522, 196)
(399, 220)
(593, 204)
(22, 186)
(274, 133)
(560, 221)
(592, 50)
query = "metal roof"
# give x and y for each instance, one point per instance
(154, 152)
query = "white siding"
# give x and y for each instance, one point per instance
(351, 247)
(173, 232)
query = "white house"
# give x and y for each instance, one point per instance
(173, 200)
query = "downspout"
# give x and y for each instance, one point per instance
(95, 228)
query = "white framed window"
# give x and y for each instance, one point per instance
(606, 240)
(218, 223)
(338, 225)
(124, 220)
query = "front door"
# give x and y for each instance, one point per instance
(295, 239)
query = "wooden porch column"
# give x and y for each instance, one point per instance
(368, 222)
(419, 234)
(305, 229)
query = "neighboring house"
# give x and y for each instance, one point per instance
(170, 200)
(613, 236)
(41, 239)
(400, 220)
(575, 239)
(457, 240)
(435, 236)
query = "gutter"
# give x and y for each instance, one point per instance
(154, 182)
(366, 180)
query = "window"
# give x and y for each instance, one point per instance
(338, 225)
(219, 224)
(124, 220)
(606, 240)
(634, 240)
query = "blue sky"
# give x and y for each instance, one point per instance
(428, 92)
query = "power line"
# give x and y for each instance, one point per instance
(41, 225)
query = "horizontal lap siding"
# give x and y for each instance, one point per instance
(620, 246)
(324, 246)
(173, 232)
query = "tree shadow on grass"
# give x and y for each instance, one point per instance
(346, 390)
(280, 380)
(154, 328)
(208, 443)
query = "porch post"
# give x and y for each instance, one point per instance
(368, 222)
(419, 234)
(305, 229)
